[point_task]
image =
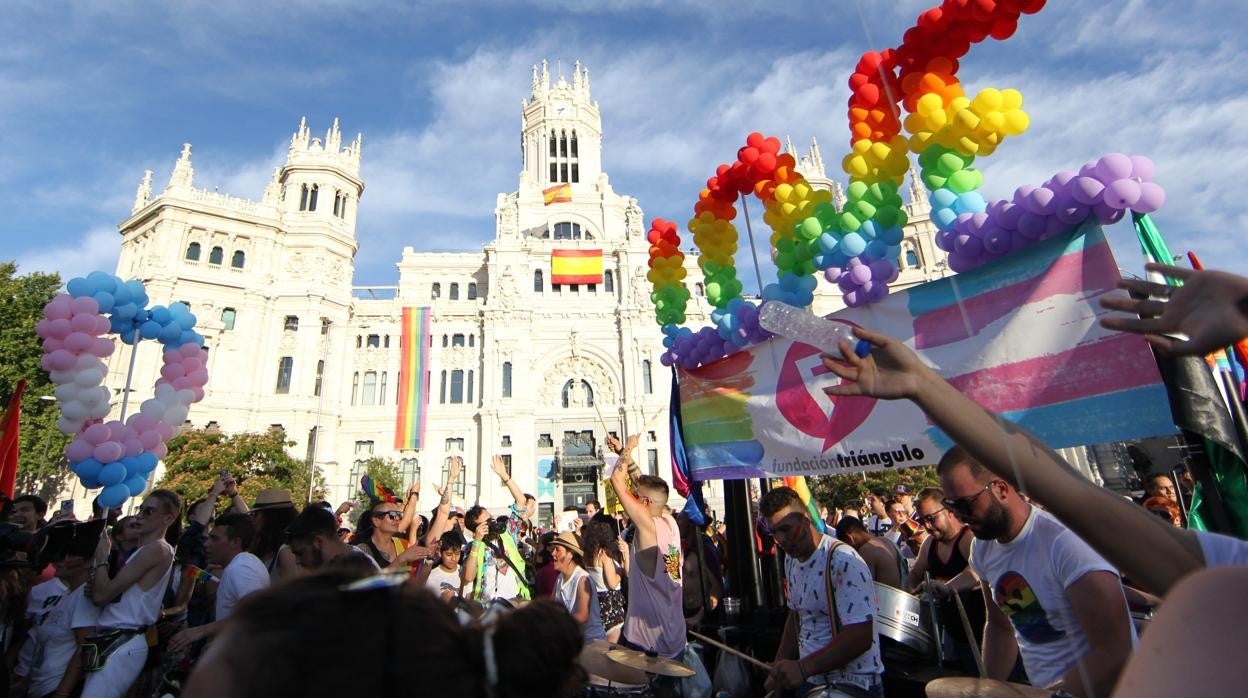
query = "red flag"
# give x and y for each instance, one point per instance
(10, 434)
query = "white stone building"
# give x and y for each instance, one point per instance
(516, 365)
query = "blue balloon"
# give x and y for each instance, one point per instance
(105, 300)
(170, 334)
(138, 294)
(113, 473)
(102, 281)
(944, 218)
(146, 462)
(127, 311)
(123, 295)
(868, 230)
(89, 467)
(876, 249)
(890, 236)
(853, 244)
(943, 198)
(150, 329)
(78, 287)
(161, 315)
(113, 496)
(128, 336)
(828, 242)
(136, 485)
(972, 202)
(89, 482)
(187, 337)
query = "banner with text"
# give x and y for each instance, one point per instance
(1020, 336)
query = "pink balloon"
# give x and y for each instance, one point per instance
(190, 350)
(83, 323)
(102, 325)
(133, 446)
(41, 328)
(108, 452)
(59, 328)
(140, 423)
(84, 305)
(62, 360)
(199, 378)
(50, 345)
(149, 439)
(165, 430)
(172, 371)
(79, 450)
(161, 450)
(172, 356)
(199, 392)
(102, 347)
(79, 342)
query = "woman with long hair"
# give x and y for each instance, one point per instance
(380, 533)
(602, 563)
(272, 513)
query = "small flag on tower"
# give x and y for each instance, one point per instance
(576, 266)
(558, 194)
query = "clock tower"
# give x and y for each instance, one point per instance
(561, 134)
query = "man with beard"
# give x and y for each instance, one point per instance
(313, 538)
(1063, 602)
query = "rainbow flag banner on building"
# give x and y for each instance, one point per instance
(558, 194)
(409, 427)
(576, 266)
(1020, 335)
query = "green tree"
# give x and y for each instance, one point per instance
(257, 461)
(41, 465)
(838, 491)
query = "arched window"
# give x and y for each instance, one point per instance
(436, 292)
(340, 204)
(312, 192)
(238, 260)
(506, 379)
(469, 387)
(216, 256)
(228, 315)
(359, 341)
(567, 231)
(355, 387)
(381, 395)
(574, 143)
(454, 291)
(457, 386)
(647, 385)
(553, 151)
(571, 397)
(303, 198)
(472, 291)
(192, 252)
(472, 340)
(320, 376)
(385, 342)
(563, 144)
(912, 259)
(284, 368)
(442, 389)
(699, 290)
(409, 470)
(446, 340)
(608, 282)
(538, 281)
(369, 396)
(457, 340)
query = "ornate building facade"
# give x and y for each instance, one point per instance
(513, 363)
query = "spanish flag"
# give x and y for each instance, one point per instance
(558, 194)
(576, 266)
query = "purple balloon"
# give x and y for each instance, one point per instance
(860, 274)
(1031, 225)
(1040, 201)
(1142, 168)
(1087, 190)
(1121, 194)
(834, 273)
(997, 241)
(1053, 226)
(1021, 194)
(968, 246)
(1106, 214)
(1009, 215)
(1058, 181)
(960, 263)
(847, 283)
(1088, 169)
(854, 298)
(1113, 167)
(877, 292)
(1152, 197)
(944, 240)
(1073, 214)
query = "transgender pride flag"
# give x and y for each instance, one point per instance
(1020, 336)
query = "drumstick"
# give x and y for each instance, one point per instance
(729, 650)
(601, 420)
(970, 637)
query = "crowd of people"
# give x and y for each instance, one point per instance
(1037, 569)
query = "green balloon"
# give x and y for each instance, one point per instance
(888, 217)
(933, 180)
(963, 181)
(863, 210)
(850, 222)
(810, 228)
(856, 189)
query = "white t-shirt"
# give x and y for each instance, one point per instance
(500, 579)
(51, 638)
(440, 580)
(854, 593)
(244, 575)
(1222, 551)
(1029, 577)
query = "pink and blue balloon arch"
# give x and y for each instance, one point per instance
(118, 456)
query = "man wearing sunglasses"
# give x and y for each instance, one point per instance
(1062, 602)
(829, 637)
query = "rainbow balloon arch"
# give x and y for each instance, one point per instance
(857, 246)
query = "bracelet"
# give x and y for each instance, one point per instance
(506, 481)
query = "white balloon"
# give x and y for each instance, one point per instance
(99, 411)
(177, 415)
(66, 392)
(86, 361)
(186, 396)
(87, 378)
(75, 411)
(152, 408)
(62, 377)
(68, 426)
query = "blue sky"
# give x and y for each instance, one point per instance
(92, 94)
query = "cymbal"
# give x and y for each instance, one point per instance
(594, 661)
(648, 664)
(970, 687)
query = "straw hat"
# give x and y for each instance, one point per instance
(273, 499)
(568, 540)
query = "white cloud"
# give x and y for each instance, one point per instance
(96, 249)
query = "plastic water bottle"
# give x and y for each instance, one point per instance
(803, 326)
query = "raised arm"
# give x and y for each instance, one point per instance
(202, 512)
(1141, 545)
(1211, 308)
(500, 469)
(409, 522)
(440, 519)
(104, 588)
(637, 512)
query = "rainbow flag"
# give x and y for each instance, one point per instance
(409, 426)
(376, 491)
(798, 484)
(200, 575)
(558, 194)
(576, 266)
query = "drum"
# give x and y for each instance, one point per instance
(901, 619)
(598, 687)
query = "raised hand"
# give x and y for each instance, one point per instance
(497, 464)
(890, 371)
(1208, 308)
